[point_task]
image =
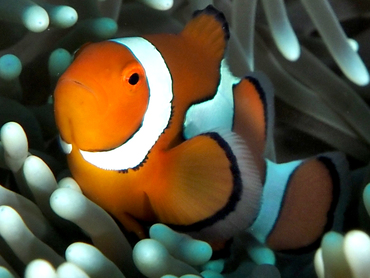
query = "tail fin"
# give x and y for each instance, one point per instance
(301, 201)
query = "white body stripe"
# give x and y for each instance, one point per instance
(156, 118)
(215, 113)
(277, 178)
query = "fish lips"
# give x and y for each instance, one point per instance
(78, 112)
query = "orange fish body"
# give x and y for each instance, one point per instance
(157, 129)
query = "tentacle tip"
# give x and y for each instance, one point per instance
(35, 19)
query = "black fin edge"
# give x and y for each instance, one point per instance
(330, 215)
(262, 95)
(219, 16)
(234, 198)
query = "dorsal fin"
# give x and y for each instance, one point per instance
(254, 116)
(209, 29)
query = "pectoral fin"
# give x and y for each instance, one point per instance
(207, 186)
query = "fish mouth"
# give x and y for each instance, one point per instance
(156, 119)
(78, 108)
(79, 84)
(70, 139)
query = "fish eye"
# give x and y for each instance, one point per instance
(133, 79)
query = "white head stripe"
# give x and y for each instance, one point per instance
(67, 148)
(157, 115)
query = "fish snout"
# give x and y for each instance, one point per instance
(76, 110)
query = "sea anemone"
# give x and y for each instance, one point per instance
(309, 49)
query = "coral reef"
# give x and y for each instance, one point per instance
(310, 49)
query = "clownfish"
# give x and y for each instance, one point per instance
(158, 129)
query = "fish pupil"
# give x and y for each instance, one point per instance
(133, 79)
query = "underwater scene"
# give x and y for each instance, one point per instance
(174, 138)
